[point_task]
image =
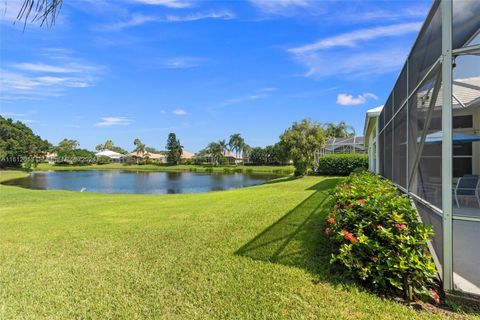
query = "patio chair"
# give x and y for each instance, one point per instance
(467, 187)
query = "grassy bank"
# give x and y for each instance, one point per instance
(252, 253)
(10, 174)
(155, 167)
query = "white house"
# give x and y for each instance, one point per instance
(114, 156)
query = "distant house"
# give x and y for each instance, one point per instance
(156, 157)
(232, 158)
(50, 157)
(187, 155)
(229, 157)
(114, 156)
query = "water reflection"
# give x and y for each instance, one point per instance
(117, 181)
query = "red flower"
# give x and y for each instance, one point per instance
(347, 235)
(328, 231)
(379, 226)
(361, 202)
(434, 295)
(351, 205)
(400, 226)
(331, 220)
(353, 240)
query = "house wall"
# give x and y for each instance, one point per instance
(372, 140)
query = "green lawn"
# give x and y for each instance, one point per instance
(252, 253)
(153, 167)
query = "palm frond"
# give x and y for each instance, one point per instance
(43, 11)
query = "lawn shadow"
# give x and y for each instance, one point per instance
(281, 179)
(297, 239)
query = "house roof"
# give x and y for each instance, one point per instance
(110, 154)
(187, 155)
(231, 154)
(466, 93)
(150, 155)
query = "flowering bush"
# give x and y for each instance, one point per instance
(377, 237)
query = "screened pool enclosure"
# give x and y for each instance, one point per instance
(427, 137)
(343, 145)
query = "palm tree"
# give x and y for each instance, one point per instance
(344, 130)
(232, 143)
(140, 147)
(216, 152)
(246, 152)
(236, 143)
(241, 146)
(340, 130)
(223, 144)
(330, 129)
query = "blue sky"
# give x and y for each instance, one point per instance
(129, 69)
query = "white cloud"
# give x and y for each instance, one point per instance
(27, 84)
(176, 4)
(182, 62)
(351, 39)
(134, 21)
(269, 89)
(42, 67)
(179, 112)
(344, 99)
(26, 121)
(9, 11)
(113, 121)
(354, 64)
(22, 80)
(257, 95)
(402, 14)
(140, 19)
(280, 6)
(343, 55)
(221, 15)
(11, 114)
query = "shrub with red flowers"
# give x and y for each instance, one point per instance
(377, 237)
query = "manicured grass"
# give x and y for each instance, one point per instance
(10, 174)
(252, 253)
(156, 167)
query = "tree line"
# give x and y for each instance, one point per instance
(297, 145)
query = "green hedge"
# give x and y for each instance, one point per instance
(377, 238)
(342, 164)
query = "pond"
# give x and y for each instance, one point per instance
(136, 182)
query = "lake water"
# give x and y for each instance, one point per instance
(119, 181)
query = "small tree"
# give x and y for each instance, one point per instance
(258, 156)
(301, 141)
(174, 149)
(67, 144)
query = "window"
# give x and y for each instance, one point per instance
(460, 122)
(462, 159)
